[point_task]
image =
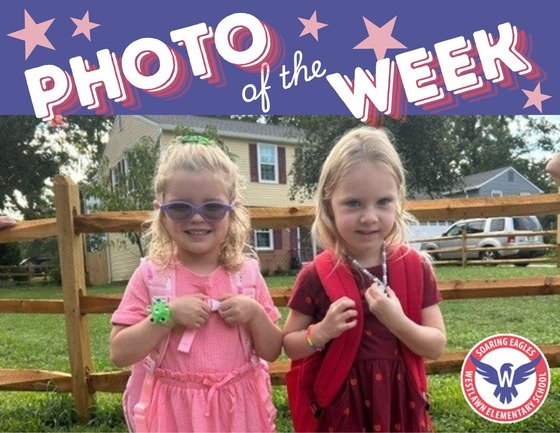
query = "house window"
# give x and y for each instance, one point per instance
(264, 239)
(496, 193)
(268, 163)
(510, 175)
(524, 193)
(118, 172)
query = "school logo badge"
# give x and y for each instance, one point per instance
(505, 378)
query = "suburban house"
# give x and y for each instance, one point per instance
(499, 182)
(265, 154)
(495, 183)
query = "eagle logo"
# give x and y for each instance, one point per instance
(507, 378)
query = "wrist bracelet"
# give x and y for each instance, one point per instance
(160, 312)
(310, 341)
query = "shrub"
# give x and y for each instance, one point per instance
(55, 276)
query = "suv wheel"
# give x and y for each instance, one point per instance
(434, 256)
(489, 255)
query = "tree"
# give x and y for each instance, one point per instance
(134, 188)
(35, 151)
(25, 166)
(428, 153)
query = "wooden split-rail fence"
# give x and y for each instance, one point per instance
(69, 225)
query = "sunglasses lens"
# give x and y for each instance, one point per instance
(214, 211)
(179, 211)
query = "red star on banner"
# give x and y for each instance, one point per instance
(84, 26)
(33, 34)
(379, 39)
(535, 97)
(311, 26)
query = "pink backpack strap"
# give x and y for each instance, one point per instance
(244, 282)
(161, 285)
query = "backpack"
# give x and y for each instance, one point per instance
(161, 284)
(313, 382)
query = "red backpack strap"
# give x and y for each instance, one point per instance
(338, 281)
(406, 278)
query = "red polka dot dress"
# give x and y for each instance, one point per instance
(379, 395)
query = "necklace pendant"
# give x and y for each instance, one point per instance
(356, 265)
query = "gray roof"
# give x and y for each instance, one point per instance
(477, 180)
(228, 128)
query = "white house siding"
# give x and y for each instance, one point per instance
(124, 257)
(425, 230)
(262, 194)
(127, 131)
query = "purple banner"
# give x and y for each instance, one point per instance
(363, 58)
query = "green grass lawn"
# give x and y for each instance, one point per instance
(39, 342)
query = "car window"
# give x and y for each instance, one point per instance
(456, 230)
(526, 223)
(475, 227)
(497, 225)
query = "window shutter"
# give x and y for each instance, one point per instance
(253, 162)
(282, 164)
(277, 239)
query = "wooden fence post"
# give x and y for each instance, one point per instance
(558, 234)
(558, 241)
(464, 247)
(71, 252)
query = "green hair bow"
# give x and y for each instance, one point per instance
(197, 139)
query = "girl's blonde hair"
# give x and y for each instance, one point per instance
(194, 157)
(358, 145)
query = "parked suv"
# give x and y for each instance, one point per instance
(500, 232)
(39, 265)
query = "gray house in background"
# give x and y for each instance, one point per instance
(495, 183)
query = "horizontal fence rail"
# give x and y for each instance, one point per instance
(25, 273)
(76, 304)
(453, 289)
(299, 216)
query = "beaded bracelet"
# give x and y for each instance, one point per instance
(310, 341)
(160, 312)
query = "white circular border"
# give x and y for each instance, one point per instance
(466, 361)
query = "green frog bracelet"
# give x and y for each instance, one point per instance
(160, 312)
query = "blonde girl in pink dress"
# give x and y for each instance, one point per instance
(217, 328)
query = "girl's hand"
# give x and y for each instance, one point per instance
(340, 317)
(190, 311)
(239, 309)
(385, 306)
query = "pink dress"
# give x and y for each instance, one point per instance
(220, 385)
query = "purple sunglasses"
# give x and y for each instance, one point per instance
(184, 211)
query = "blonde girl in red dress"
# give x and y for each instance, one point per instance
(361, 220)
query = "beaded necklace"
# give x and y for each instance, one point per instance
(356, 265)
